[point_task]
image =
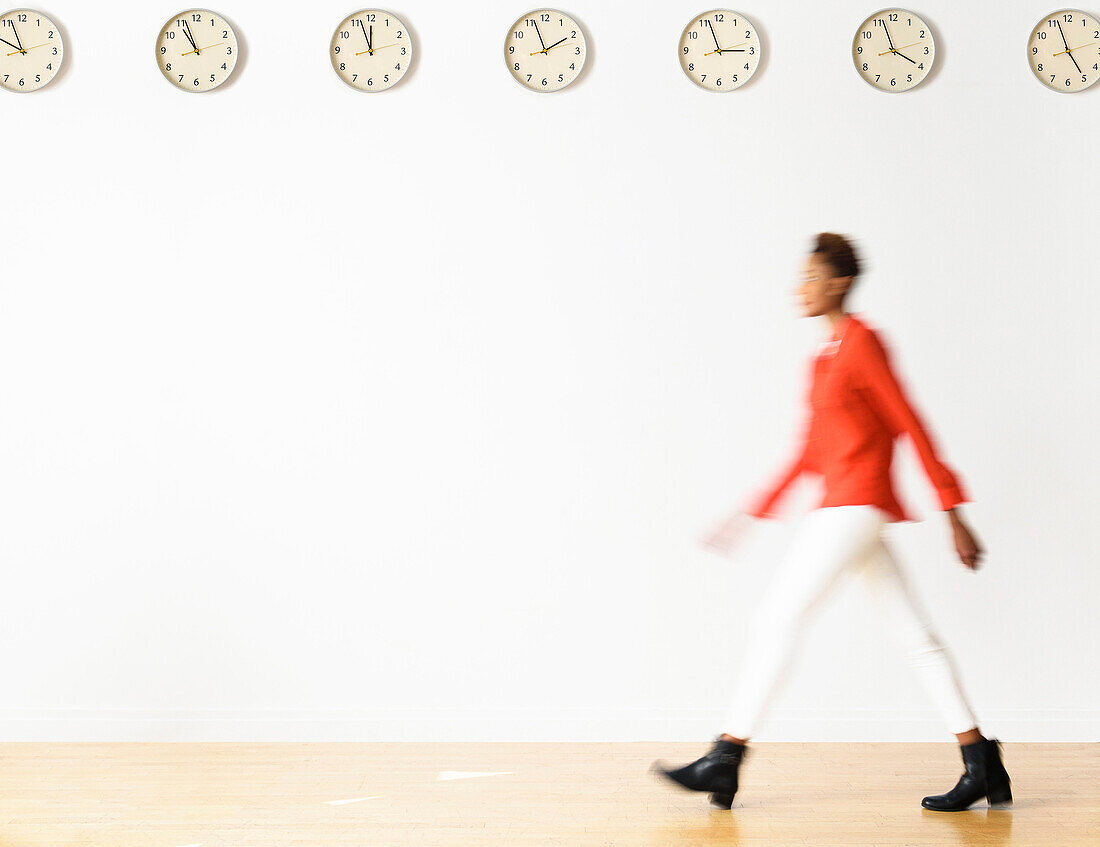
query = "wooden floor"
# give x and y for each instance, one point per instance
(390, 794)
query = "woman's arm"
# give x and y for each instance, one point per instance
(762, 506)
(970, 552)
(893, 406)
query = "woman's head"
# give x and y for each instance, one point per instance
(828, 274)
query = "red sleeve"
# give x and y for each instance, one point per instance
(762, 506)
(892, 405)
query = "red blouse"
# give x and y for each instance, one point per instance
(856, 410)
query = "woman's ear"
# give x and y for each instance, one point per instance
(840, 286)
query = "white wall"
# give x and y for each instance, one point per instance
(335, 415)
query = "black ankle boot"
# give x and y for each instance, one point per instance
(985, 776)
(715, 772)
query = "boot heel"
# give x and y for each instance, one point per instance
(999, 794)
(722, 801)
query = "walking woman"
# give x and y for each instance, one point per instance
(856, 410)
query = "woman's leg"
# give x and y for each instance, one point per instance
(826, 542)
(910, 625)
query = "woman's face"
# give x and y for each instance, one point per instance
(820, 291)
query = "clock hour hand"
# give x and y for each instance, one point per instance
(555, 44)
(11, 45)
(721, 50)
(897, 53)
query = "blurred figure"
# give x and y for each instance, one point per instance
(856, 409)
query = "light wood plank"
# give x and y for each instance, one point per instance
(238, 795)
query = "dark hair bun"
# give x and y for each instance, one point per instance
(838, 252)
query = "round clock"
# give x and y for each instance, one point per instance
(1064, 51)
(197, 50)
(30, 50)
(893, 50)
(545, 50)
(719, 50)
(371, 50)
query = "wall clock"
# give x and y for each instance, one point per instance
(1064, 51)
(197, 50)
(545, 50)
(30, 50)
(371, 50)
(719, 50)
(893, 50)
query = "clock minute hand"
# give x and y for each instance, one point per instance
(710, 26)
(1067, 45)
(1062, 33)
(887, 31)
(539, 34)
(17, 38)
(187, 32)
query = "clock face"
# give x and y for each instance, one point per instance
(893, 50)
(197, 50)
(371, 50)
(30, 50)
(719, 50)
(1064, 51)
(545, 50)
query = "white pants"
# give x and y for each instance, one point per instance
(829, 543)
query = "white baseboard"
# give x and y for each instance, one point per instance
(489, 725)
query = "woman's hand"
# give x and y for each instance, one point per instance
(727, 534)
(970, 552)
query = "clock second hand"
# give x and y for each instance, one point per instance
(1059, 53)
(199, 49)
(895, 50)
(376, 49)
(24, 52)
